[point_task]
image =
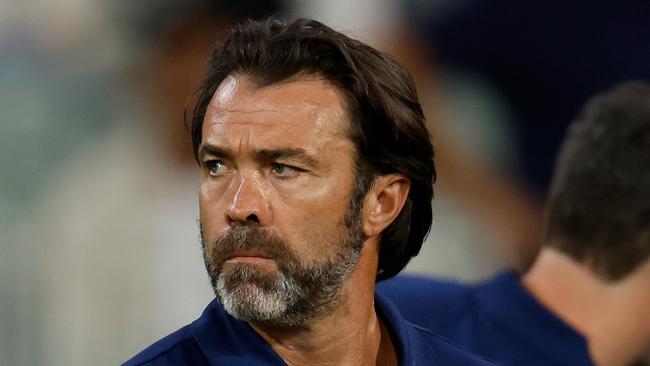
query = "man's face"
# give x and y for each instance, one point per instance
(279, 234)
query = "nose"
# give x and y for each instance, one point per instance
(249, 205)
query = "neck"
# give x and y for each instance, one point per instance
(351, 335)
(612, 316)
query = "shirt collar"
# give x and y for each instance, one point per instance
(228, 341)
(397, 325)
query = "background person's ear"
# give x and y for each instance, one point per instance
(384, 202)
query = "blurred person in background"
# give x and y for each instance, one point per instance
(585, 300)
(316, 182)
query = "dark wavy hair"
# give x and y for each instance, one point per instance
(599, 202)
(387, 123)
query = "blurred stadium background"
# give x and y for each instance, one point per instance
(99, 250)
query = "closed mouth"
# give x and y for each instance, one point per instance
(248, 255)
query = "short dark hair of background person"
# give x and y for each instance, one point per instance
(599, 202)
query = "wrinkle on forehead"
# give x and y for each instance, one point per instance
(237, 85)
(238, 100)
(267, 107)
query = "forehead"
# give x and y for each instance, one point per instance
(301, 112)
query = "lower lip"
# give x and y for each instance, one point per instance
(249, 260)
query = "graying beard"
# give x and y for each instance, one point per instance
(286, 303)
(248, 302)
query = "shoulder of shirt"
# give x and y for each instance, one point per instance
(443, 347)
(405, 282)
(161, 347)
(447, 297)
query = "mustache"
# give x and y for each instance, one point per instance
(247, 239)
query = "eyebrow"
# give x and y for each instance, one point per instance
(293, 154)
(265, 155)
(214, 150)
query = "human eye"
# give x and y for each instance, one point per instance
(285, 171)
(215, 167)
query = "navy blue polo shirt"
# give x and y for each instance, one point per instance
(497, 319)
(216, 338)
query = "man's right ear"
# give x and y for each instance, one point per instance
(384, 202)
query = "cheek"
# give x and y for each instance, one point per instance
(211, 210)
(314, 220)
(316, 194)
